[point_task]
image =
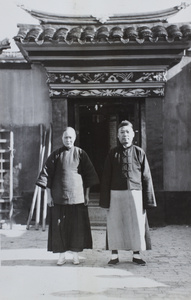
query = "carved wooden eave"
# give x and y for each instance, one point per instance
(127, 60)
(115, 82)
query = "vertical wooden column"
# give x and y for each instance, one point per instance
(113, 131)
(59, 120)
(154, 131)
(143, 142)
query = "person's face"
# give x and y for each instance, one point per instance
(126, 135)
(69, 138)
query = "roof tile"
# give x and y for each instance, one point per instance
(52, 33)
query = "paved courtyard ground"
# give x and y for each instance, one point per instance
(29, 272)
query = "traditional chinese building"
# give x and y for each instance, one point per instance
(92, 73)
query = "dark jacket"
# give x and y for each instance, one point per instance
(134, 174)
(58, 174)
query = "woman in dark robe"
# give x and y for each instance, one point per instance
(67, 176)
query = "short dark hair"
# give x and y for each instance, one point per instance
(125, 123)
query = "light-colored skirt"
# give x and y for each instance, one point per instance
(126, 221)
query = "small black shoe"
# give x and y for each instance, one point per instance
(139, 261)
(113, 261)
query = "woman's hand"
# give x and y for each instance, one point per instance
(50, 201)
(86, 196)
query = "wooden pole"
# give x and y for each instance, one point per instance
(44, 214)
(38, 202)
(45, 192)
(36, 187)
(41, 147)
(32, 206)
(39, 188)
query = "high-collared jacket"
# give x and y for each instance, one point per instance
(67, 172)
(127, 169)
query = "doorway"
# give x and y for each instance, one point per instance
(96, 123)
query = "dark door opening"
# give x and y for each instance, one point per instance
(96, 124)
(94, 136)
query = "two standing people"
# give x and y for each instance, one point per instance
(126, 192)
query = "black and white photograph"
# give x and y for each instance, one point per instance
(95, 150)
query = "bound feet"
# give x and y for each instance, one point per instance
(76, 260)
(62, 259)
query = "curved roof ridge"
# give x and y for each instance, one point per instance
(155, 16)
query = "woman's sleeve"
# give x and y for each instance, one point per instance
(87, 171)
(47, 173)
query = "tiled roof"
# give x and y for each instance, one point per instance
(98, 34)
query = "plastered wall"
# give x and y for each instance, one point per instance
(177, 128)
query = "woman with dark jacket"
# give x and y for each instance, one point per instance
(68, 175)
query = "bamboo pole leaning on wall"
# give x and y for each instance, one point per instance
(36, 190)
(44, 213)
(36, 200)
(41, 160)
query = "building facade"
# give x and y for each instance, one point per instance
(91, 74)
